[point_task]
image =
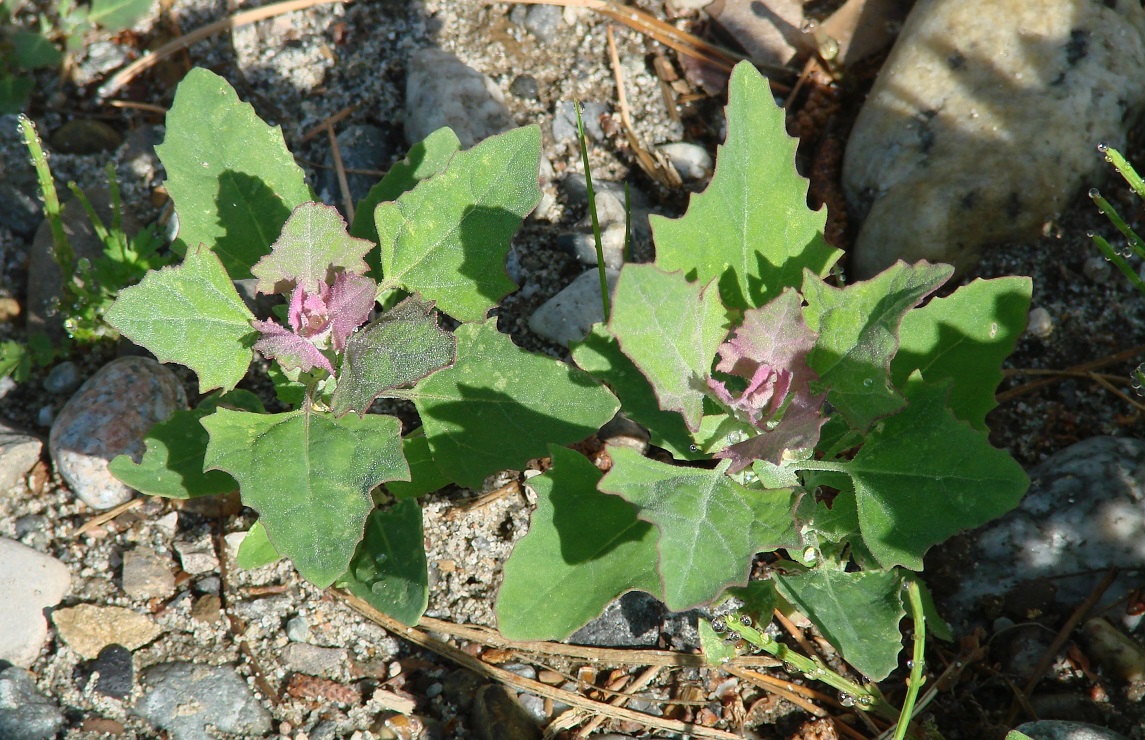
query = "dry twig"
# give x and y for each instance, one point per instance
(108, 515)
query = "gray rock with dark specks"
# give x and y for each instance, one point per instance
(441, 90)
(984, 123)
(183, 698)
(25, 713)
(109, 416)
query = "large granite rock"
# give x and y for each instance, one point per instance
(984, 123)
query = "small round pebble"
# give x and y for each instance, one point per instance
(525, 87)
(108, 416)
(62, 378)
(1040, 324)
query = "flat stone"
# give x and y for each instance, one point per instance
(1058, 729)
(147, 574)
(86, 136)
(441, 90)
(19, 451)
(25, 713)
(29, 582)
(1084, 513)
(983, 124)
(312, 660)
(569, 315)
(88, 628)
(771, 32)
(108, 416)
(184, 698)
(197, 556)
(633, 620)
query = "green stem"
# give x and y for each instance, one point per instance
(916, 680)
(867, 699)
(604, 298)
(1112, 255)
(1135, 242)
(62, 249)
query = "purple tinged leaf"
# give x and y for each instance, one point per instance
(769, 350)
(312, 247)
(351, 300)
(291, 350)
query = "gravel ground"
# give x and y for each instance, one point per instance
(298, 70)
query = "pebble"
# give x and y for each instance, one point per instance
(633, 620)
(569, 315)
(1097, 269)
(610, 203)
(85, 136)
(63, 378)
(983, 124)
(770, 32)
(207, 608)
(1039, 323)
(525, 87)
(497, 715)
(25, 713)
(99, 58)
(29, 582)
(534, 706)
(109, 415)
(582, 245)
(147, 575)
(441, 90)
(564, 121)
(544, 21)
(298, 629)
(19, 451)
(197, 556)
(113, 664)
(209, 585)
(44, 277)
(362, 147)
(312, 660)
(88, 628)
(1084, 513)
(623, 432)
(184, 698)
(692, 161)
(1059, 729)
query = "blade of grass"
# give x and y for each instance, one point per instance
(600, 266)
(62, 249)
(1135, 242)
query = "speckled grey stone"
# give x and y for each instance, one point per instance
(564, 120)
(147, 574)
(633, 620)
(984, 122)
(197, 556)
(29, 582)
(63, 378)
(1084, 513)
(108, 416)
(569, 315)
(19, 451)
(25, 713)
(441, 90)
(312, 660)
(183, 698)
(1058, 729)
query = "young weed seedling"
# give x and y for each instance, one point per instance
(837, 429)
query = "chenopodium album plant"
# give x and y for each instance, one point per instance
(840, 428)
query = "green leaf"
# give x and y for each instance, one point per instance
(600, 355)
(425, 159)
(172, 462)
(498, 406)
(190, 314)
(858, 335)
(710, 526)
(670, 328)
(425, 476)
(255, 550)
(402, 346)
(584, 548)
(751, 229)
(309, 476)
(389, 570)
(32, 50)
(15, 360)
(116, 15)
(312, 244)
(14, 93)
(231, 177)
(964, 338)
(924, 476)
(448, 238)
(759, 600)
(716, 651)
(859, 613)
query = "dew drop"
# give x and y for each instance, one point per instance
(866, 701)
(206, 164)
(719, 625)
(810, 555)
(993, 329)
(1094, 193)
(745, 620)
(380, 558)
(765, 638)
(1102, 147)
(1090, 233)
(847, 700)
(868, 382)
(694, 448)
(910, 665)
